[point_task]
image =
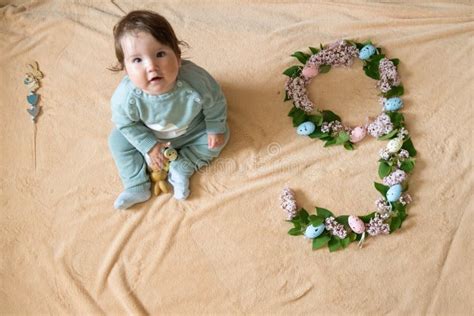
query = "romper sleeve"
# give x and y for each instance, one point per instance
(126, 117)
(214, 103)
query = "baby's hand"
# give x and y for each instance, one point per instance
(215, 140)
(156, 156)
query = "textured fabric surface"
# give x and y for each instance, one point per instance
(65, 250)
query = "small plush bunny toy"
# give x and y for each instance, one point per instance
(32, 78)
(158, 177)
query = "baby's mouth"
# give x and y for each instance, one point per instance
(156, 79)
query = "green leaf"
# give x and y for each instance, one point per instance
(330, 142)
(372, 70)
(313, 50)
(292, 111)
(395, 61)
(346, 241)
(296, 224)
(397, 119)
(323, 212)
(329, 116)
(408, 145)
(372, 73)
(390, 135)
(304, 216)
(343, 219)
(326, 137)
(302, 57)
(324, 69)
(352, 236)
(316, 220)
(394, 92)
(293, 71)
(334, 244)
(381, 188)
(359, 45)
(349, 146)
(407, 165)
(400, 210)
(395, 224)
(318, 134)
(384, 169)
(376, 58)
(342, 137)
(320, 241)
(299, 116)
(316, 119)
(368, 42)
(402, 213)
(295, 232)
(367, 218)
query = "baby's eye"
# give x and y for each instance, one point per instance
(161, 54)
(136, 60)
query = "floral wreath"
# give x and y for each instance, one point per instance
(396, 158)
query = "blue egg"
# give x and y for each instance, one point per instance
(394, 193)
(313, 232)
(305, 128)
(366, 52)
(393, 104)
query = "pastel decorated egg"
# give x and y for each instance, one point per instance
(358, 134)
(393, 104)
(310, 71)
(394, 193)
(394, 145)
(170, 153)
(313, 232)
(305, 128)
(356, 224)
(366, 52)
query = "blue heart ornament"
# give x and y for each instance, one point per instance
(32, 99)
(34, 111)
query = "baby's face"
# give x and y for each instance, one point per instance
(151, 66)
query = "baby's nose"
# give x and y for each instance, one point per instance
(152, 66)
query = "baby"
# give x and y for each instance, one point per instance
(162, 101)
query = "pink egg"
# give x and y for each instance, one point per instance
(310, 71)
(358, 134)
(356, 224)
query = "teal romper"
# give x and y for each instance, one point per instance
(183, 116)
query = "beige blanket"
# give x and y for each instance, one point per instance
(65, 250)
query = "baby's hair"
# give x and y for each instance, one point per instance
(144, 21)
